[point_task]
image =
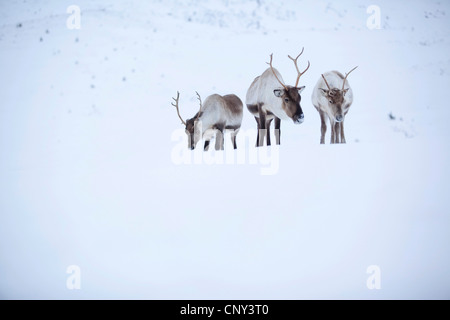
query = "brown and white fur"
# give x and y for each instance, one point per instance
(217, 114)
(269, 98)
(332, 97)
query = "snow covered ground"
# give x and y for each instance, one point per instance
(92, 172)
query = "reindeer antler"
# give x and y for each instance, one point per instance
(200, 100)
(176, 106)
(296, 66)
(326, 82)
(273, 71)
(346, 75)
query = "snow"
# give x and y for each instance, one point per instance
(93, 168)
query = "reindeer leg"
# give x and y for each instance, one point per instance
(277, 130)
(342, 133)
(337, 131)
(332, 141)
(268, 122)
(233, 138)
(219, 139)
(262, 125)
(206, 148)
(257, 132)
(323, 127)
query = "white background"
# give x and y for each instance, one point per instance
(87, 175)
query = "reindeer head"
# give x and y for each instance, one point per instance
(192, 127)
(290, 103)
(335, 99)
(193, 131)
(290, 95)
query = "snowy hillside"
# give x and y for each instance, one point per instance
(95, 171)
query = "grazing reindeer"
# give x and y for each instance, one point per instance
(266, 100)
(218, 114)
(333, 103)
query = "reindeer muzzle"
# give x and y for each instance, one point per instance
(339, 118)
(298, 119)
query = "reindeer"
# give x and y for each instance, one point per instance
(218, 114)
(267, 100)
(333, 103)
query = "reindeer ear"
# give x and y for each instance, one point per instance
(300, 89)
(278, 92)
(345, 91)
(324, 91)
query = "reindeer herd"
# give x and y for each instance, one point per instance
(269, 98)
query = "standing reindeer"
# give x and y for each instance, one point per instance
(333, 103)
(218, 114)
(269, 98)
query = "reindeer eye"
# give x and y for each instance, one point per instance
(286, 99)
(330, 101)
